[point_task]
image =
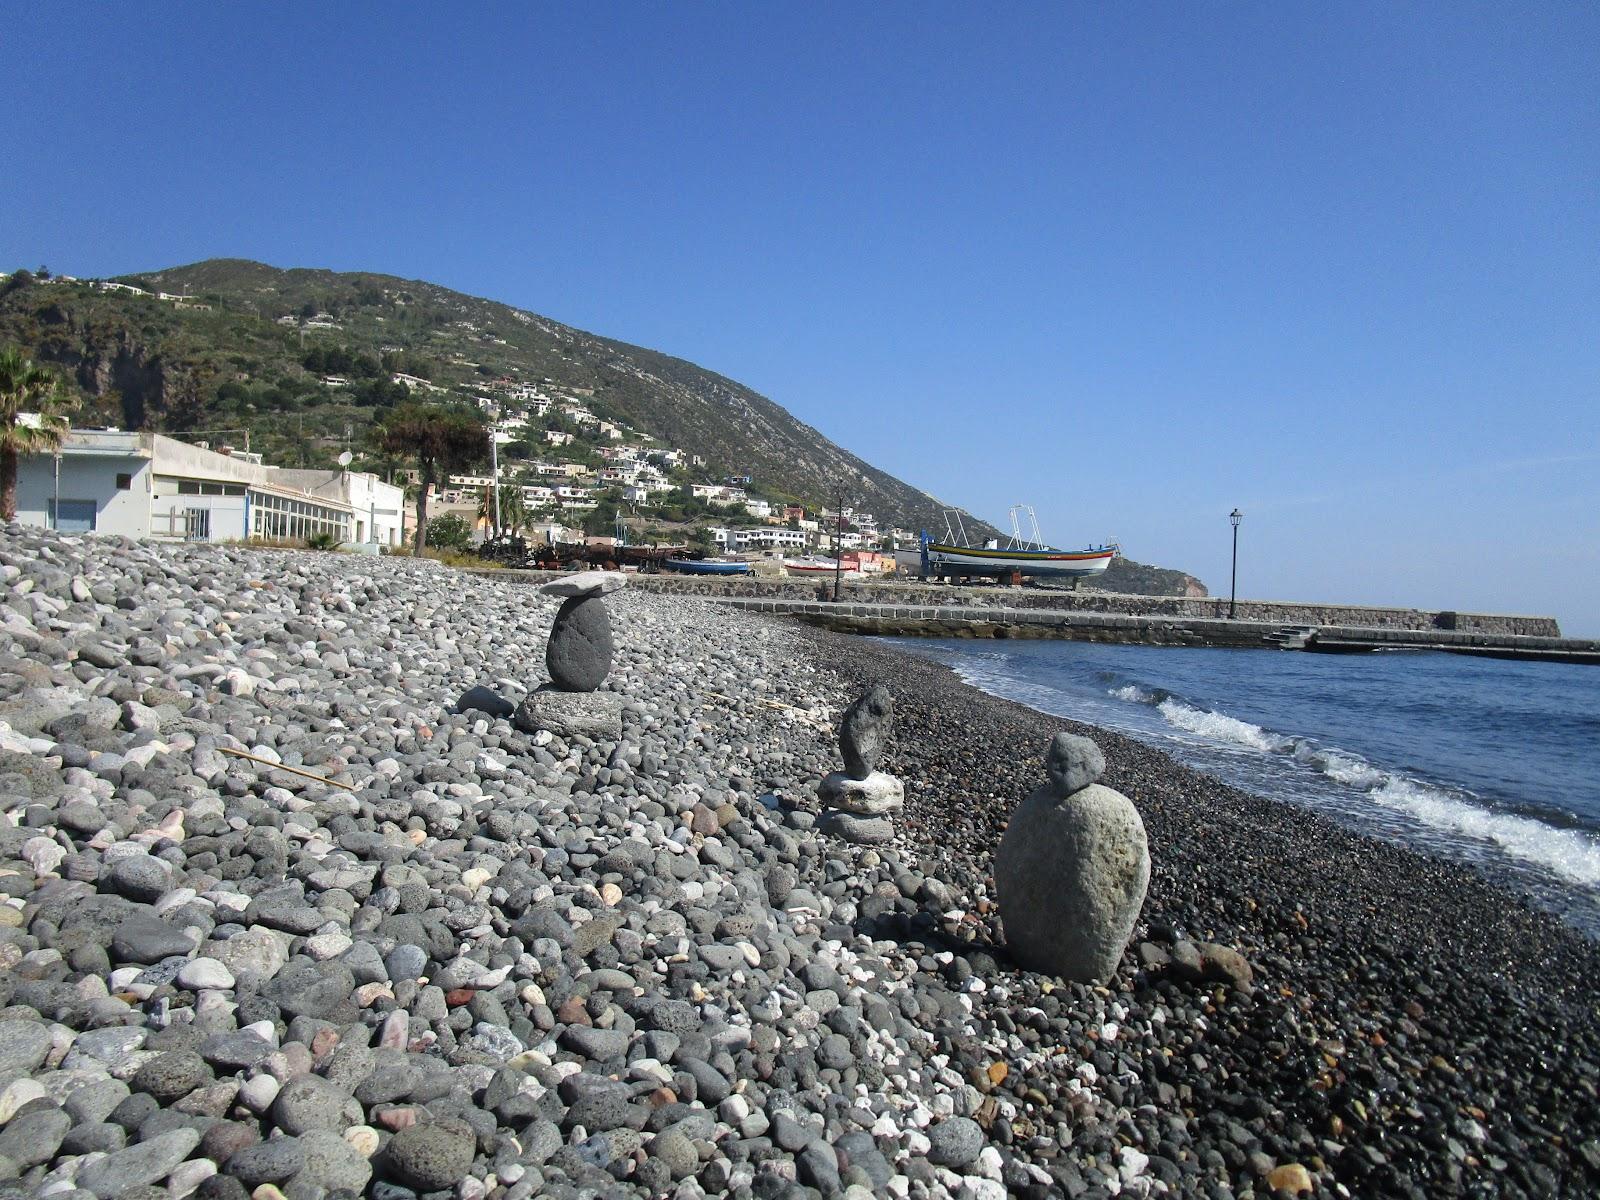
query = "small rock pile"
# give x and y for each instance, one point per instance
(860, 798)
(1072, 868)
(578, 658)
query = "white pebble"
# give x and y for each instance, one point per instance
(16, 1094)
(258, 1093)
(202, 973)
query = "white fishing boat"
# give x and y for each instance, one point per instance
(816, 565)
(1029, 557)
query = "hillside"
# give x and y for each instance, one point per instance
(148, 363)
(300, 363)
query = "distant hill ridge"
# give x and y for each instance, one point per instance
(238, 345)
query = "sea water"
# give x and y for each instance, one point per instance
(1485, 761)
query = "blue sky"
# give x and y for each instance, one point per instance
(1334, 265)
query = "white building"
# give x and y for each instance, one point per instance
(770, 539)
(378, 509)
(147, 485)
(104, 484)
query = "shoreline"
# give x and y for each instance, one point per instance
(1386, 931)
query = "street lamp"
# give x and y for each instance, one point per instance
(838, 536)
(1233, 589)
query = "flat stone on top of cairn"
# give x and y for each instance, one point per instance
(1072, 869)
(578, 654)
(584, 583)
(861, 796)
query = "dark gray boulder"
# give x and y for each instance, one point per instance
(864, 730)
(578, 654)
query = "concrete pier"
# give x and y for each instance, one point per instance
(902, 609)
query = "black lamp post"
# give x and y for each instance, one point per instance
(1233, 588)
(838, 536)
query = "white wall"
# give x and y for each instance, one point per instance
(123, 511)
(368, 492)
(227, 514)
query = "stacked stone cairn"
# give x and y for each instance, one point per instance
(860, 799)
(1072, 869)
(578, 657)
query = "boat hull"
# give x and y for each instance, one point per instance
(963, 560)
(695, 567)
(803, 568)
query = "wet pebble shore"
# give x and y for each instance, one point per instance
(472, 961)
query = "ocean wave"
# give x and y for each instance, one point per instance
(1219, 727)
(1572, 854)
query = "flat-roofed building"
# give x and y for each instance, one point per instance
(149, 485)
(99, 482)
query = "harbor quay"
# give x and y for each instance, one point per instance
(919, 610)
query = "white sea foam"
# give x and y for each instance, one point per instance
(1570, 853)
(1219, 727)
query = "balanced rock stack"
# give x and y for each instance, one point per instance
(861, 797)
(578, 657)
(1072, 868)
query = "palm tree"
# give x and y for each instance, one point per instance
(513, 512)
(439, 441)
(26, 387)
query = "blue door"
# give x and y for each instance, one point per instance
(73, 516)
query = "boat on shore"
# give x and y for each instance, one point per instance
(813, 565)
(707, 566)
(1030, 558)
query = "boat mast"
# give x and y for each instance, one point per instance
(1017, 540)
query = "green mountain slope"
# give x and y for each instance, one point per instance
(150, 363)
(240, 349)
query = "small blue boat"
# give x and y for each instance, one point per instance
(707, 566)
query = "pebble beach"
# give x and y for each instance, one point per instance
(291, 907)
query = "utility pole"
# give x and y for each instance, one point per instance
(494, 472)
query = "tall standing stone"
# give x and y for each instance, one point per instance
(864, 729)
(1072, 869)
(861, 797)
(578, 653)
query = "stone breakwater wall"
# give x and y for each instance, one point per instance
(1185, 608)
(978, 622)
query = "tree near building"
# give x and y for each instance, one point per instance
(513, 511)
(439, 441)
(451, 531)
(26, 387)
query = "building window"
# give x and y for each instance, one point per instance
(196, 487)
(72, 516)
(276, 517)
(124, 482)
